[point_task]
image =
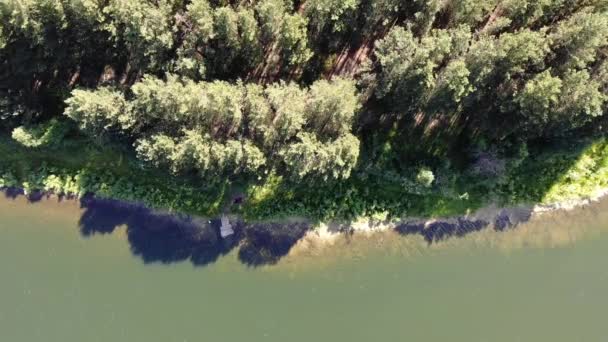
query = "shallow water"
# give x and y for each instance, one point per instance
(546, 280)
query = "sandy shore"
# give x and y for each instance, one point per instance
(491, 216)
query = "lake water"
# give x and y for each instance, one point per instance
(544, 281)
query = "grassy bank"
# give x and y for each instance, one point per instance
(78, 167)
(111, 171)
(560, 174)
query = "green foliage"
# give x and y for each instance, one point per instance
(222, 115)
(30, 18)
(361, 195)
(214, 107)
(461, 39)
(264, 93)
(293, 40)
(336, 15)
(581, 97)
(546, 176)
(525, 12)
(99, 110)
(48, 134)
(455, 80)
(226, 29)
(487, 78)
(585, 177)
(408, 63)
(79, 168)
(42, 43)
(198, 30)
(331, 160)
(540, 96)
(561, 105)
(471, 12)
(193, 152)
(171, 102)
(425, 15)
(145, 28)
(425, 177)
(218, 129)
(159, 150)
(332, 106)
(578, 38)
(250, 46)
(8, 180)
(270, 14)
(578, 171)
(510, 54)
(201, 15)
(381, 12)
(231, 40)
(259, 115)
(288, 117)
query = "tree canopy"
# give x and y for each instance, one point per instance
(219, 128)
(308, 90)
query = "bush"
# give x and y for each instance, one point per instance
(425, 177)
(48, 134)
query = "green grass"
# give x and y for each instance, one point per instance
(575, 172)
(78, 166)
(361, 195)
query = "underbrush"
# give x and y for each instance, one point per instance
(105, 171)
(359, 196)
(111, 171)
(575, 172)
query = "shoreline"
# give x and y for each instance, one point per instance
(163, 236)
(433, 229)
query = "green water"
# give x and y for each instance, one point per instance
(547, 281)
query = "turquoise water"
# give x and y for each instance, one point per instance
(546, 281)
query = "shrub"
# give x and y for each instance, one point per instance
(425, 177)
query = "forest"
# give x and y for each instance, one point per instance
(313, 108)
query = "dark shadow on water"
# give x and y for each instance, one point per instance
(158, 237)
(12, 192)
(442, 230)
(506, 220)
(103, 216)
(37, 196)
(168, 238)
(33, 196)
(267, 243)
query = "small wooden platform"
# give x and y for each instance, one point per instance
(226, 227)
